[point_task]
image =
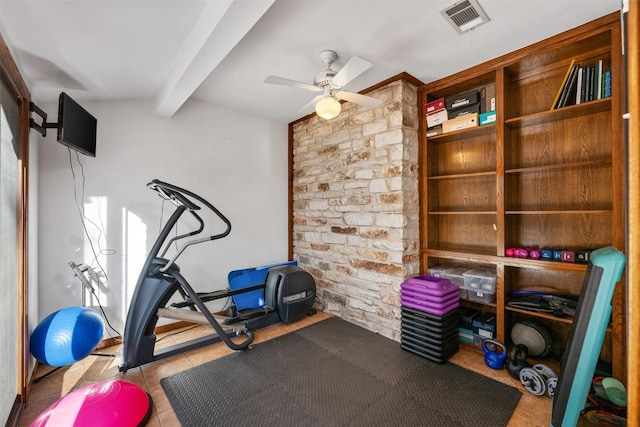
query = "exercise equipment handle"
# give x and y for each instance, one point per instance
(184, 199)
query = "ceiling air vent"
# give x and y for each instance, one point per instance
(465, 15)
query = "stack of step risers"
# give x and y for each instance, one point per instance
(430, 317)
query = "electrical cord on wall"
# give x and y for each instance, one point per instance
(87, 276)
(93, 275)
(84, 219)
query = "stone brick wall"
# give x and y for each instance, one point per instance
(355, 206)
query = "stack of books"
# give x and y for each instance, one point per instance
(583, 83)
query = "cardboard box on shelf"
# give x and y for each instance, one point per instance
(460, 100)
(485, 325)
(437, 118)
(434, 106)
(487, 118)
(434, 130)
(462, 122)
(469, 109)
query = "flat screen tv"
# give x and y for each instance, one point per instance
(76, 126)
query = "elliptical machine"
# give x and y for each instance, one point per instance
(289, 292)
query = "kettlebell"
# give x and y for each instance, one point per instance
(517, 360)
(493, 358)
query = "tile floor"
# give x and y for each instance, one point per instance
(531, 410)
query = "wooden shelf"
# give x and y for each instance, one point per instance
(568, 320)
(560, 114)
(544, 265)
(561, 212)
(468, 301)
(574, 165)
(474, 131)
(462, 212)
(462, 175)
(479, 255)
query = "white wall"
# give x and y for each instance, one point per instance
(235, 161)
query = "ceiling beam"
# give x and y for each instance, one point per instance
(220, 27)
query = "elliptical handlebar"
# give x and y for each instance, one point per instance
(173, 194)
(185, 200)
(182, 197)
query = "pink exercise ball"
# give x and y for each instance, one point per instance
(103, 404)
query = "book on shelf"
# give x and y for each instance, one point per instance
(562, 86)
(591, 87)
(607, 84)
(588, 83)
(598, 81)
(579, 91)
(567, 97)
(583, 84)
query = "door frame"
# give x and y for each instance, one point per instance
(17, 85)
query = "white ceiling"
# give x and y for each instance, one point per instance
(220, 51)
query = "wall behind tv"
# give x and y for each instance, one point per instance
(235, 161)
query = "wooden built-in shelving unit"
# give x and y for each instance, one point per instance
(537, 178)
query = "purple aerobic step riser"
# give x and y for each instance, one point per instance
(440, 299)
(429, 304)
(436, 286)
(421, 306)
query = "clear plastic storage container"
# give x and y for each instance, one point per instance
(456, 275)
(480, 280)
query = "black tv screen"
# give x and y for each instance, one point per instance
(76, 126)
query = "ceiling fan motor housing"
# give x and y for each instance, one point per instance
(324, 78)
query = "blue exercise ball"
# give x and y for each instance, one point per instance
(66, 336)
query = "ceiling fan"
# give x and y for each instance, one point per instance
(330, 82)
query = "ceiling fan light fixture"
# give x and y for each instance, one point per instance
(328, 107)
(330, 83)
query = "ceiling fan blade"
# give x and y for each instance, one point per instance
(359, 99)
(310, 106)
(286, 82)
(352, 69)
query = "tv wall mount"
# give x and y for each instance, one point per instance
(40, 128)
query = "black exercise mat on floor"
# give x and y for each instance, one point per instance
(334, 373)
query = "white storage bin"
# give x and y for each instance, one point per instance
(481, 296)
(480, 280)
(439, 270)
(455, 274)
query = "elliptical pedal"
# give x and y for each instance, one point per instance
(252, 313)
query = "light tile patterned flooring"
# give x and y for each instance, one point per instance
(531, 410)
